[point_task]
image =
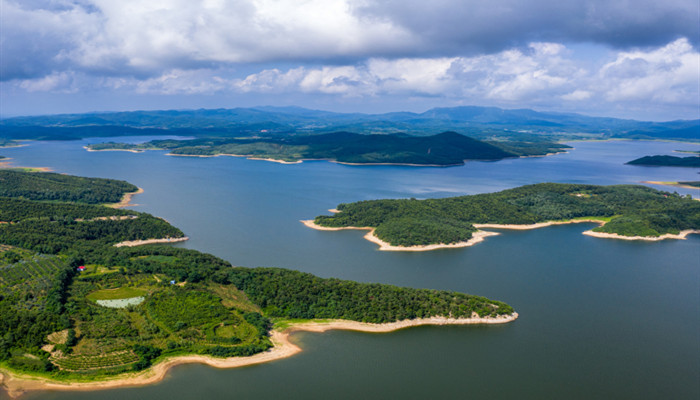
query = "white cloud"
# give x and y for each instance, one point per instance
(670, 74)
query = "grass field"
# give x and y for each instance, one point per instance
(116, 294)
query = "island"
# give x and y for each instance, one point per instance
(622, 211)
(667, 161)
(444, 149)
(77, 311)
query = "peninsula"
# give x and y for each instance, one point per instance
(623, 211)
(78, 312)
(444, 149)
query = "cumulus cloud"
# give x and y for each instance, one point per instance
(506, 53)
(145, 38)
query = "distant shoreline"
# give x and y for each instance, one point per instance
(275, 160)
(480, 235)
(17, 385)
(127, 150)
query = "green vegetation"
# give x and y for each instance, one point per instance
(51, 186)
(298, 295)
(194, 303)
(116, 294)
(632, 211)
(668, 161)
(448, 148)
(691, 183)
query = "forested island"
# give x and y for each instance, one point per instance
(625, 211)
(74, 307)
(448, 148)
(668, 161)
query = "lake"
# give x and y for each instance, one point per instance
(598, 318)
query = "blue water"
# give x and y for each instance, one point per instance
(599, 318)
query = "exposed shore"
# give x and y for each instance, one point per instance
(247, 157)
(17, 385)
(682, 235)
(480, 235)
(132, 243)
(674, 184)
(127, 150)
(126, 200)
(6, 163)
(477, 237)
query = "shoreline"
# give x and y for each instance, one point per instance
(477, 237)
(481, 235)
(673, 184)
(18, 384)
(126, 200)
(133, 243)
(682, 235)
(127, 150)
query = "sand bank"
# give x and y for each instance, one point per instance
(246, 156)
(480, 235)
(16, 385)
(6, 163)
(682, 235)
(674, 184)
(126, 200)
(127, 150)
(132, 243)
(477, 237)
(537, 225)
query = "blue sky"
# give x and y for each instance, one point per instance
(626, 58)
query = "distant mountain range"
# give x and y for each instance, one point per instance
(481, 122)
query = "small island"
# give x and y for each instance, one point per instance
(623, 211)
(444, 149)
(668, 161)
(79, 312)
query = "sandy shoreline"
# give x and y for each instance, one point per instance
(682, 235)
(126, 200)
(477, 237)
(132, 243)
(247, 157)
(17, 385)
(480, 235)
(127, 150)
(673, 184)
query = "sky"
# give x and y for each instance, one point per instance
(625, 58)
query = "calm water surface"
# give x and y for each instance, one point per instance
(599, 318)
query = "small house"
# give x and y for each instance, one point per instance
(81, 268)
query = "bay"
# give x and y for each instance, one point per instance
(599, 318)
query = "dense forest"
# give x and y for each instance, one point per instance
(632, 210)
(52, 186)
(668, 161)
(448, 148)
(73, 306)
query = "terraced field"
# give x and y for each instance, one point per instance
(77, 363)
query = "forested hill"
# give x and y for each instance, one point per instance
(59, 187)
(668, 161)
(75, 307)
(447, 148)
(632, 210)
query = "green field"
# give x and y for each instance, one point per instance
(116, 294)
